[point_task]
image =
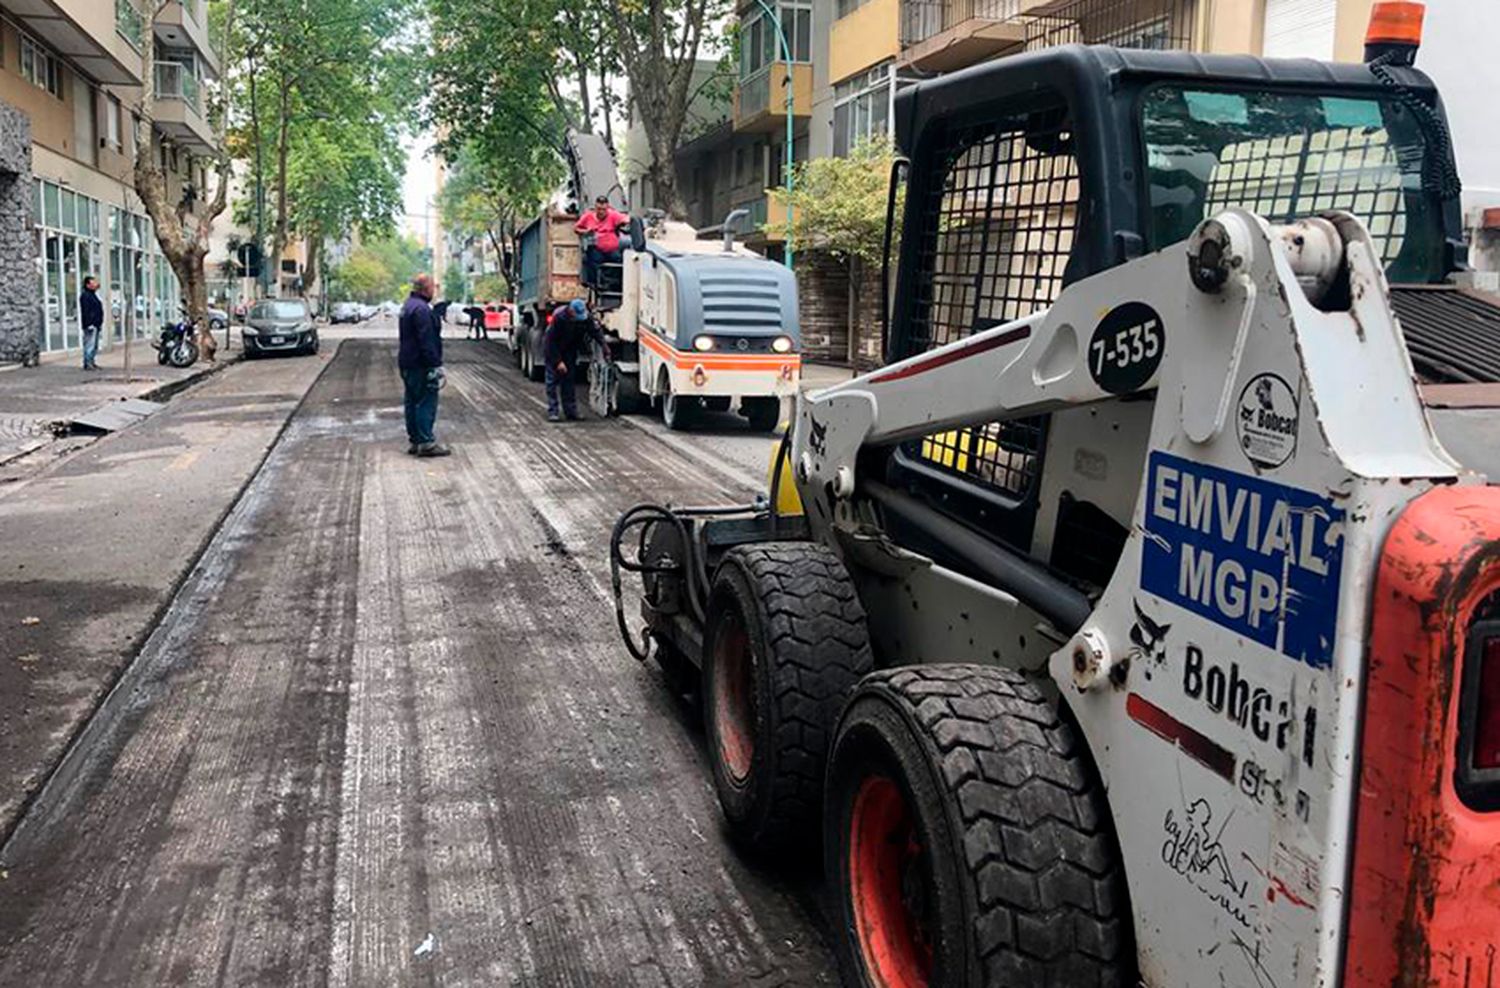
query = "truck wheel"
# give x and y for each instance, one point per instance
(764, 413)
(786, 642)
(534, 370)
(969, 839)
(677, 412)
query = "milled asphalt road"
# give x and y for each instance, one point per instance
(387, 735)
(94, 546)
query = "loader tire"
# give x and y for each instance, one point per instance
(968, 839)
(786, 643)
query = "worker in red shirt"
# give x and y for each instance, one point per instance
(604, 222)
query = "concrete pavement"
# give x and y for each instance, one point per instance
(33, 398)
(386, 734)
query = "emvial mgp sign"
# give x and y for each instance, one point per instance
(1258, 558)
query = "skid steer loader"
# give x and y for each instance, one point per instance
(1133, 625)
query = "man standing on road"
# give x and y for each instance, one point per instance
(91, 317)
(604, 222)
(421, 361)
(477, 328)
(566, 331)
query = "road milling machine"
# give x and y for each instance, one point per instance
(1138, 622)
(693, 324)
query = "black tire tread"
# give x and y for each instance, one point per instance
(1046, 886)
(815, 625)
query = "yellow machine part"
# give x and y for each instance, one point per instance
(953, 449)
(788, 501)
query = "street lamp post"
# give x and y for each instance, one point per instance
(791, 100)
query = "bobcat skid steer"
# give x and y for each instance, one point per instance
(1133, 625)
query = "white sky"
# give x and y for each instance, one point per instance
(420, 186)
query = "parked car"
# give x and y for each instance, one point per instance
(344, 312)
(217, 318)
(280, 325)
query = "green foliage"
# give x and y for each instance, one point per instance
(362, 278)
(488, 288)
(493, 89)
(378, 271)
(840, 203)
(332, 86)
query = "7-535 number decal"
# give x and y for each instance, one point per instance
(1126, 348)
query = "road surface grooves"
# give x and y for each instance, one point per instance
(386, 734)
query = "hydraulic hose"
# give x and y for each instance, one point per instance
(692, 569)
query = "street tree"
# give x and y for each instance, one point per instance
(839, 206)
(325, 92)
(659, 42)
(183, 233)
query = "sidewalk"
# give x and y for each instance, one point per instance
(32, 399)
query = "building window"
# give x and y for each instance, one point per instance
(40, 68)
(67, 232)
(760, 45)
(112, 123)
(289, 266)
(847, 7)
(862, 106)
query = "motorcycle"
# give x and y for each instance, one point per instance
(176, 346)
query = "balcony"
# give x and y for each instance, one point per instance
(943, 35)
(102, 38)
(184, 24)
(760, 99)
(179, 108)
(864, 38)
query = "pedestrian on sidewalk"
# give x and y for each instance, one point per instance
(566, 330)
(420, 359)
(91, 316)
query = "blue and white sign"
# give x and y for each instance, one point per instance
(1258, 558)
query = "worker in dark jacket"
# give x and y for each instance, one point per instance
(421, 362)
(91, 320)
(569, 326)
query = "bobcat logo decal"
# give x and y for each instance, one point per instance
(1149, 641)
(817, 439)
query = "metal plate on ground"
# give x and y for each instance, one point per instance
(115, 415)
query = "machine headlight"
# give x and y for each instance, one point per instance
(782, 344)
(703, 343)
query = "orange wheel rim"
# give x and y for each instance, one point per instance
(734, 704)
(889, 886)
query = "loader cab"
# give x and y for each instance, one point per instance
(1034, 172)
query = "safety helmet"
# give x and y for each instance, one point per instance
(579, 308)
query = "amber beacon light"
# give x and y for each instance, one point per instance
(1395, 31)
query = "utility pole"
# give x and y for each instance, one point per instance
(791, 103)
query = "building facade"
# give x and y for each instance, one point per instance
(80, 72)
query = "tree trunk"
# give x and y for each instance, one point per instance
(283, 222)
(663, 174)
(606, 99)
(852, 295)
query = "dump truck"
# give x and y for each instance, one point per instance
(547, 264)
(1138, 622)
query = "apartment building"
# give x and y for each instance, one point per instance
(77, 69)
(849, 58)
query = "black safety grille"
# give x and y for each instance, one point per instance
(736, 303)
(996, 237)
(1303, 174)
